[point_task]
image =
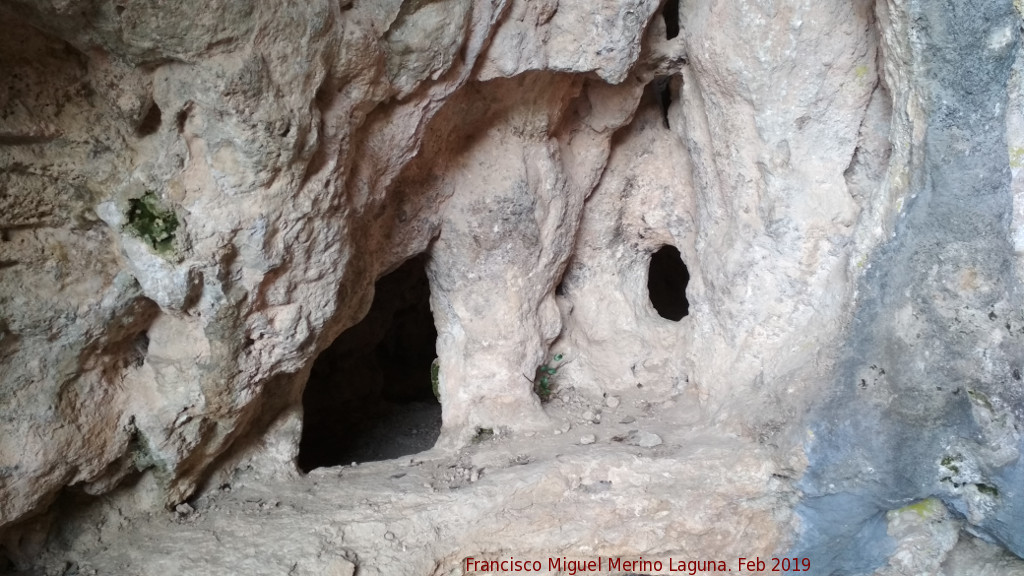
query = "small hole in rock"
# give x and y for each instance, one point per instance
(664, 86)
(150, 122)
(666, 284)
(119, 9)
(369, 396)
(140, 348)
(671, 15)
(180, 118)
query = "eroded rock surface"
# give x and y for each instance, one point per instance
(928, 382)
(197, 199)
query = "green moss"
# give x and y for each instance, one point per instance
(929, 507)
(152, 222)
(1016, 157)
(988, 490)
(950, 463)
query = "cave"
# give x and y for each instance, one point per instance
(207, 214)
(369, 395)
(666, 283)
(671, 15)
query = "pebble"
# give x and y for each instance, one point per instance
(474, 476)
(184, 509)
(588, 415)
(648, 440)
(588, 439)
(611, 401)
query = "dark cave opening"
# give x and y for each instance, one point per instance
(369, 396)
(663, 85)
(671, 15)
(150, 122)
(666, 283)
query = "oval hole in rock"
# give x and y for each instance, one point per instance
(666, 283)
(369, 396)
(150, 123)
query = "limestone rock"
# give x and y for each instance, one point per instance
(199, 200)
(575, 36)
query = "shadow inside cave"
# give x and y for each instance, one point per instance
(369, 396)
(666, 284)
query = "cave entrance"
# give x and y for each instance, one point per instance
(666, 283)
(671, 15)
(369, 396)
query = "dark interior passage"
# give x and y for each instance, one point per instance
(671, 14)
(666, 283)
(663, 85)
(369, 395)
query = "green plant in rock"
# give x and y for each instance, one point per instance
(152, 222)
(140, 453)
(953, 470)
(987, 489)
(950, 463)
(544, 381)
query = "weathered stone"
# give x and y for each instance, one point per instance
(199, 199)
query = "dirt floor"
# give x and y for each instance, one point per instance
(420, 514)
(624, 478)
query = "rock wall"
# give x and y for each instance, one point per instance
(196, 200)
(928, 392)
(284, 184)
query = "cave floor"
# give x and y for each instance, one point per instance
(543, 496)
(534, 496)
